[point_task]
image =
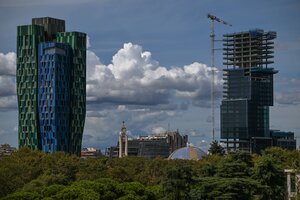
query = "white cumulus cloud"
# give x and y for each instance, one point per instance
(8, 64)
(158, 130)
(134, 77)
(8, 98)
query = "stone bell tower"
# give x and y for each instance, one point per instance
(123, 142)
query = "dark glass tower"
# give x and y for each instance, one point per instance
(248, 87)
(77, 42)
(51, 79)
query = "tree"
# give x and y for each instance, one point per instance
(125, 169)
(153, 172)
(207, 170)
(107, 188)
(178, 180)
(130, 197)
(61, 163)
(20, 195)
(237, 164)
(154, 192)
(241, 156)
(134, 188)
(285, 157)
(91, 169)
(75, 192)
(18, 169)
(226, 188)
(52, 190)
(44, 181)
(229, 169)
(267, 171)
(216, 149)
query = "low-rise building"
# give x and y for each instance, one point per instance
(277, 138)
(283, 139)
(90, 153)
(6, 150)
(150, 146)
(112, 152)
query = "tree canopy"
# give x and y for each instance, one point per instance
(30, 174)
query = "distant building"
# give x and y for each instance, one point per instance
(90, 153)
(150, 146)
(257, 144)
(283, 139)
(248, 92)
(277, 138)
(112, 152)
(6, 150)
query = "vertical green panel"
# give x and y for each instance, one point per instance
(27, 39)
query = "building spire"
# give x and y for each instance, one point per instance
(123, 142)
(123, 129)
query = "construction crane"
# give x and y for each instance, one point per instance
(212, 36)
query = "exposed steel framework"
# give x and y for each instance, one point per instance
(249, 49)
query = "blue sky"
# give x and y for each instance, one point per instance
(148, 62)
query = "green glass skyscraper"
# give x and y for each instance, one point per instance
(30, 91)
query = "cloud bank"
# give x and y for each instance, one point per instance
(135, 78)
(287, 98)
(8, 64)
(8, 98)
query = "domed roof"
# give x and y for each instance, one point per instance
(187, 153)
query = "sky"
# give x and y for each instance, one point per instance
(148, 63)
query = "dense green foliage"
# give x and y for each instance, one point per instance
(216, 149)
(34, 175)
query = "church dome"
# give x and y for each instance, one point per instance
(187, 153)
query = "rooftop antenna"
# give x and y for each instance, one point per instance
(212, 94)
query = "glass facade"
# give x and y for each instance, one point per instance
(54, 96)
(77, 42)
(248, 85)
(51, 80)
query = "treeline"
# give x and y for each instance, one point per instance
(30, 174)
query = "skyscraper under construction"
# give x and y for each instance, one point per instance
(248, 89)
(51, 86)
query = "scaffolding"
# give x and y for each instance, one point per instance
(249, 49)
